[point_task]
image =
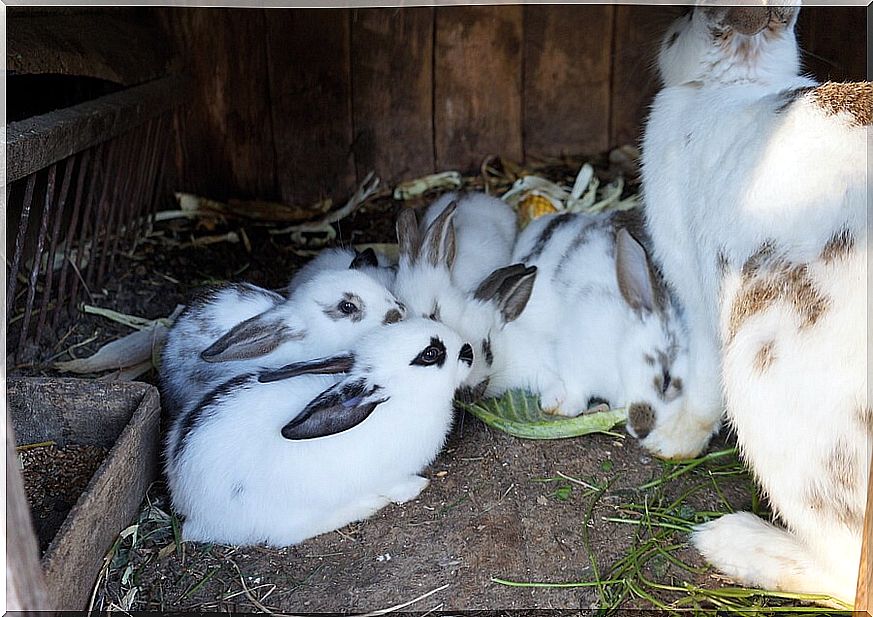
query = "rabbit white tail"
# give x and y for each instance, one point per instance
(756, 553)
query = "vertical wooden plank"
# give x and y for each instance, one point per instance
(567, 68)
(25, 585)
(864, 594)
(392, 92)
(833, 40)
(310, 84)
(225, 145)
(477, 84)
(635, 81)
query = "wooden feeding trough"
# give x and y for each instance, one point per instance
(117, 109)
(77, 518)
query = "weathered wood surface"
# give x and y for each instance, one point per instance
(299, 104)
(25, 584)
(37, 142)
(123, 47)
(310, 81)
(225, 145)
(477, 84)
(392, 86)
(98, 413)
(567, 71)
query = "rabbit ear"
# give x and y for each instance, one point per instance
(364, 259)
(407, 235)
(337, 409)
(438, 244)
(340, 363)
(252, 338)
(510, 287)
(633, 273)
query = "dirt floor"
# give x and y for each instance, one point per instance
(497, 508)
(503, 521)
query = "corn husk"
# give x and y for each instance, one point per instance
(418, 187)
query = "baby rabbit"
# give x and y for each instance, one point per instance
(368, 261)
(485, 229)
(241, 327)
(599, 327)
(284, 455)
(426, 286)
(755, 182)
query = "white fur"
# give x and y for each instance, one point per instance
(309, 332)
(486, 229)
(578, 337)
(727, 166)
(340, 258)
(426, 284)
(239, 481)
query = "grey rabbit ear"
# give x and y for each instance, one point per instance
(438, 244)
(252, 338)
(633, 273)
(510, 287)
(337, 409)
(365, 259)
(340, 363)
(408, 237)
(514, 293)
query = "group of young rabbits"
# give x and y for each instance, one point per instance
(292, 415)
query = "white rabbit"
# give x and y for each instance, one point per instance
(368, 261)
(485, 230)
(241, 327)
(755, 182)
(598, 328)
(284, 455)
(425, 285)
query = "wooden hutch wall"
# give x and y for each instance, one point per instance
(300, 104)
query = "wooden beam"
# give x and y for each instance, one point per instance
(25, 584)
(37, 142)
(864, 594)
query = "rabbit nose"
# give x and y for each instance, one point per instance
(466, 354)
(392, 316)
(641, 418)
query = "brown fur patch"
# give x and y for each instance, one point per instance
(721, 262)
(781, 281)
(765, 356)
(865, 417)
(834, 502)
(855, 99)
(841, 468)
(763, 254)
(839, 245)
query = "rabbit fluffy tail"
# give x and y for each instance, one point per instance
(756, 553)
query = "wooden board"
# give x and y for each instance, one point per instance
(308, 55)
(634, 76)
(124, 416)
(477, 85)
(567, 70)
(864, 595)
(25, 584)
(392, 85)
(226, 145)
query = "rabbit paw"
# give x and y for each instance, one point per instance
(682, 436)
(553, 400)
(408, 489)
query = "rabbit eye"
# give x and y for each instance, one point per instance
(347, 308)
(435, 353)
